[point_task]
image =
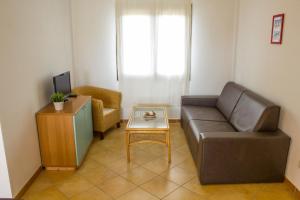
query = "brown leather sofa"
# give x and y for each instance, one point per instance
(234, 137)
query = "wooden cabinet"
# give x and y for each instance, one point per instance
(65, 136)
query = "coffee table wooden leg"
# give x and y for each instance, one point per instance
(169, 146)
(127, 138)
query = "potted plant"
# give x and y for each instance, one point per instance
(58, 100)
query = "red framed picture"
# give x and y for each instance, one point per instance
(277, 29)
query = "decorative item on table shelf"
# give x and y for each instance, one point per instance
(149, 115)
(58, 100)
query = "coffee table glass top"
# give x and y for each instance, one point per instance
(137, 120)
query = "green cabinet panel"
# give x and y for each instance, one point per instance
(83, 130)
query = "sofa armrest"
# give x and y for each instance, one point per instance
(235, 157)
(199, 100)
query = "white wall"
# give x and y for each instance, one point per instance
(273, 70)
(35, 40)
(213, 45)
(5, 189)
(94, 42)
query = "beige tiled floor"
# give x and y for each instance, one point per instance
(105, 174)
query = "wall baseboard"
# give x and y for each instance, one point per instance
(293, 187)
(29, 183)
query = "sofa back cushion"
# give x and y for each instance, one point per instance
(229, 97)
(254, 113)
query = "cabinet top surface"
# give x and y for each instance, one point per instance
(71, 107)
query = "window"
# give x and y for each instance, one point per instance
(171, 52)
(153, 52)
(153, 37)
(137, 45)
(150, 49)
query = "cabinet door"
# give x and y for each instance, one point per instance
(83, 131)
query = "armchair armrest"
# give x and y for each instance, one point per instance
(97, 105)
(199, 100)
(97, 110)
(235, 157)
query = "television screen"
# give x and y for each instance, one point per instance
(62, 83)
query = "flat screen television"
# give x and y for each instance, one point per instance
(62, 83)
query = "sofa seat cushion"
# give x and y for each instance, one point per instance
(199, 126)
(196, 127)
(202, 113)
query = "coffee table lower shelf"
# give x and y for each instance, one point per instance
(166, 141)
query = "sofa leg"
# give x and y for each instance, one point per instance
(118, 124)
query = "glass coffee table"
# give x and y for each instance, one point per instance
(148, 130)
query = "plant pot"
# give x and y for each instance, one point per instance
(58, 106)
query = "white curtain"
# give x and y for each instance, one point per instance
(153, 52)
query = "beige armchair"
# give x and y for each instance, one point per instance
(106, 105)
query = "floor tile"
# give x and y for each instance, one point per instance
(137, 194)
(138, 175)
(158, 166)
(275, 187)
(184, 194)
(232, 196)
(51, 193)
(276, 194)
(121, 166)
(141, 157)
(96, 147)
(178, 175)
(88, 165)
(156, 149)
(178, 142)
(105, 174)
(195, 186)
(189, 165)
(117, 186)
(42, 182)
(183, 149)
(74, 186)
(159, 187)
(58, 176)
(105, 157)
(98, 175)
(91, 194)
(177, 158)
